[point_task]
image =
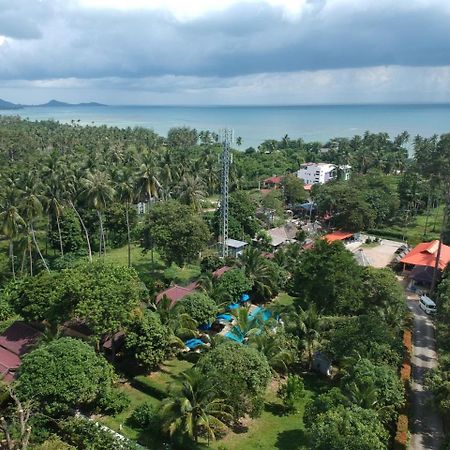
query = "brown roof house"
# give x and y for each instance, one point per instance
(282, 235)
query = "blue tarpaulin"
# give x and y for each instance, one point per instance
(192, 344)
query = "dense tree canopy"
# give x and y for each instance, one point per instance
(239, 374)
(200, 307)
(147, 340)
(329, 276)
(175, 231)
(352, 428)
(65, 374)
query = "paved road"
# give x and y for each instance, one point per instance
(426, 423)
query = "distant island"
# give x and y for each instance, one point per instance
(5, 105)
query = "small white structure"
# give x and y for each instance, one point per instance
(320, 173)
(235, 247)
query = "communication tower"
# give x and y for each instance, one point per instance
(226, 138)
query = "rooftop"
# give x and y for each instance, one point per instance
(425, 254)
(337, 236)
(234, 243)
(18, 338)
(176, 292)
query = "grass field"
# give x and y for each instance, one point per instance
(272, 430)
(143, 265)
(414, 231)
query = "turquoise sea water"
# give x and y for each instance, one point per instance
(257, 123)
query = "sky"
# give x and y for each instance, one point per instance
(225, 51)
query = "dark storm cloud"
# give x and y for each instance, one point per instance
(60, 39)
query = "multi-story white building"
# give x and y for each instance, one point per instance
(313, 173)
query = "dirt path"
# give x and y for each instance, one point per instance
(426, 423)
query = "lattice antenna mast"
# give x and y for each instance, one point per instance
(226, 136)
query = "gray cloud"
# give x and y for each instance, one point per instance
(58, 39)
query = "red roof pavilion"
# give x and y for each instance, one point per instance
(425, 255)
(337, 236)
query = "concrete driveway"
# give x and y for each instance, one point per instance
(379, 255)
(425, 422)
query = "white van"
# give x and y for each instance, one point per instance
(427, 304)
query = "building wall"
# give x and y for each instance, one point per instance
(316, 173)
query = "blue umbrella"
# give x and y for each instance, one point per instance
(233, 306)
(244, 298)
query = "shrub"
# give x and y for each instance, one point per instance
(145, 416)
(200, 307)
(401, 436)
(291, 392)
(210, 263)
(114, 401)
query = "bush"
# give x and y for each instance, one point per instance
(291, 392)
(147, 340)
(387, 233)
(145, 416)
(200, 307)
(401, 436)
(210, 263)
(114, 401)
(233, 284)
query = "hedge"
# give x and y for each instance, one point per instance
(387, 234)
(401, 436)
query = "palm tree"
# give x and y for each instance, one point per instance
(98, 192)
(363, 394)
(193, 409)
(247, 325)
(309, 323)
(191, 191)
(148, 185)
(12, 222)
(126, 191)
(258, 271)
(279, 358)
(32, 208)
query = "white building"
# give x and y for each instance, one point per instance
(313, 173)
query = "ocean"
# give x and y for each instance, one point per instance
(254, 124)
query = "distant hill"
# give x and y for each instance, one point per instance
(52, 104)
(8, 105)
(57, 104)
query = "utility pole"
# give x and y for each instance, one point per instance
(226, 137)
(441, 238)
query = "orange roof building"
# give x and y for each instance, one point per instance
(425, 255)
(337, 236)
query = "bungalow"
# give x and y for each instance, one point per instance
(15, 341)
(425, 254)
(420, 262)
(281, 235)
(272, 182)
(176, 292)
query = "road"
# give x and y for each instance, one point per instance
(426, 424)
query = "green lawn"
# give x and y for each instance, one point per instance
(143, 264)
(414, 231)
(273, 430)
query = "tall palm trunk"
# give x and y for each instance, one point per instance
(127, 216)
(59, 234)
(11, 257)
(33, 235)
(30, 254)
(85, 231)
(102, 234)
(441, 238)
(427, 215)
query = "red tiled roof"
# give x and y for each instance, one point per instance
(425, 255)
(337, 236)
(219, 272)
(307, 187)
(9, 362)
(273, 180)
(18, 337)
(176, 293)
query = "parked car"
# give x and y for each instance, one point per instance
(427, 304)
